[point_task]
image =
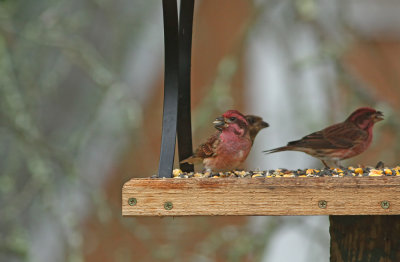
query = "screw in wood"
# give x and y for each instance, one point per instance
(385, 204)
(322, 204)
(168, 205)
(132, 201)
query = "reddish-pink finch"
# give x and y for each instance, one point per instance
(256, 123)
(340, 141)
(228, 148)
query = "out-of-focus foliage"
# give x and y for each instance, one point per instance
(64, 111)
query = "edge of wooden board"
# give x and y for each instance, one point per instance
(262, 196)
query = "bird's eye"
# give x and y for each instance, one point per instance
(232, 118)
(251, 121)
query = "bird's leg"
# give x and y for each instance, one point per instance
(323, 162)
(337, 163)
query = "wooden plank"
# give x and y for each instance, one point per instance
(262, 196)
(365, 238)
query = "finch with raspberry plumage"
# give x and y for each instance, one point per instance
(340, 141)
(229, 147)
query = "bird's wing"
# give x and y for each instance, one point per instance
(205, 150)
(208, 149)
(345, 135)
(342, 135)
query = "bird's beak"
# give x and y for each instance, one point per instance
(219, 123)
(264, 124)
(378, 116)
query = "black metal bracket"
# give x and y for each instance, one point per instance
(176, 110)
(185, 147)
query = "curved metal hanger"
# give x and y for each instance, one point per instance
(176, 110)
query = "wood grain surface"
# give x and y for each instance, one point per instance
(262, 196)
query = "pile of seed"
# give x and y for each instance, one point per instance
(331, 172)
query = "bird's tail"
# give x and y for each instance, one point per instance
(278, 149)
(191, 160)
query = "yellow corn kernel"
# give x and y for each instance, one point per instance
(388, 171)
(359, 171)
(309, 171)
(376, 173)
(176, 172)
(257, 175)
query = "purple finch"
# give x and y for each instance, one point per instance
(228, 148)
(340, 141)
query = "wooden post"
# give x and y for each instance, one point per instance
(365, 238)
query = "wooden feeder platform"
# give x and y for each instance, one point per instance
(277, 192)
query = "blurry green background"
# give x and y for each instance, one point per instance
(81, 106)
